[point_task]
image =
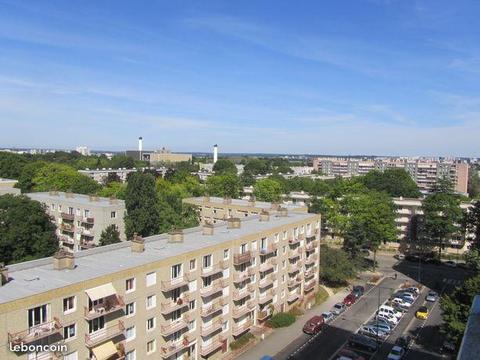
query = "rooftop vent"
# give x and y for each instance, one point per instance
(251, 200)
(175, 236)
(69, 194)
(93, 198)
(3, 274)
(227, 200)
(264, 215)
(138, 244)
(207, 229)
(63, 260)
(275, 206)
(282, 212)
(53, 193)
(233, 223)
(113, 200)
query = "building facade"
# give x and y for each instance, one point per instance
(80, 219)
(7, 186)
(100, 175)
(183, 295)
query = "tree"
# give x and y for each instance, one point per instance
(29, 171)
(113, 189)
(141, 202)
(473, 182)
(336, 267)
(257, 166)
(267, 190)
(223, 166)
(473, 223)
(111, 177)
(26, 231)
(11, 165)
(247, 179)
(395, 182)
(122, 161)
(227, 184)
(110, 235)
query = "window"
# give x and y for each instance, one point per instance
(151, 324)
(193, 264)
(131, 355)
(191, 305)
(70, 210)
(130, 333)
(113, 214)
(243, 248)
(151, 346)
(52, 206)
(175, 294)
(78, 212)
(71, 356)
(285, 235)
(59, 208)
(284, 264)
(207, 261)
(69, 331)
(277, 237)
(96, 324)
(130, 309)
(191, 325)
(176, 315)
(86, 213)
(176, 271)
(37, 316)
(151, 301)
(225, 326)
(130, 285)
(226, 254)
(263, 244)
(69, 304)
(284, 249)
(151, 278)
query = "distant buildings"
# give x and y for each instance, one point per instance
(425, 172)
(100, 175)
(157, 157)
(7, 187)
(80, 219)
(85, 151)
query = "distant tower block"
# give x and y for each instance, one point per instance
(140, 144)
(215, 153)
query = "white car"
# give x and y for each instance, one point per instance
(388, 318)
(401, 302)
(413, 289)
(396, 353)
(407, 295)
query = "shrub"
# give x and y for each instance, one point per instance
(296, 311)
(281, 320)
(321, 296)
(241, 341)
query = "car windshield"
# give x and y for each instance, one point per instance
(423, 309)
(338, 306)
(395, 352)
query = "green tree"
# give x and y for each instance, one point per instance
(473, 223)
(29, 171)
(110, 235)
(257, 166)
(26, 231)
(113, 189)
(267, 190)
(473, 182)
(122, 161)
(141, 202)
(247, 179)
(224, 166)
(111, 177)
(395, 182)
(11, 165)
(337, 268)
(227, 184)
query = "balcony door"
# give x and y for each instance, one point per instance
(37, 316)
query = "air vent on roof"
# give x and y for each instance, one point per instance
(227, 200)
(233, 223)
(3, 274)
(264, 216)
(63, 260)
(207, 228)
(138, 244)
(175, 236)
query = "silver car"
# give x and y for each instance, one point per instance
(328, 316)
(432, 296)
(371, 330)
(380, 325)
(338, 308)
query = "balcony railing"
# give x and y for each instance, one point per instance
(88, 220)
(309, 273)
(168, 285)
(312, 245)
(215, 344)
(213, 288)
(240, 311)
(215, 269)
(104, 334)
(270, 248)
(292, 283)
(293, 241)
(292, 297)
(309, 286)
(170, 328)
(239, 259)
(239, 277)
(67, 239)
(239, 294)
(310, 259)
(111, 304)
(87, 244)
(170, 306)
(211, 309)
(69, 217)
(36, 332)
(172, 347)
(266, 281)
(311, 238)
(241, 328)
(211, 328)
(265, 296)
(266, 266)
(66, 227)
(263, 315)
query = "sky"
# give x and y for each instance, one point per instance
(376, 77)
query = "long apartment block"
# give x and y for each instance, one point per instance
(213, 209)
(80, 219)
(182, 295)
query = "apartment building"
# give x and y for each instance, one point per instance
(182, 295)
(424, 172)
(80, 219)
(213, 209)
(7, 186)
(100, 175)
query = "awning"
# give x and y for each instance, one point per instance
(104, 351)
(101, 291)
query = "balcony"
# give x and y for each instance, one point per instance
(168, 285)
(239, 259)
(293, 254)
(36, 332)
(49, 356)
(312, 245)
(215, 269)
(239, 294)
(309, 273)
(86, 232)
(211, 328)
(311, 238)
(170, 306)
(174, 326)
(172, 347)
(310, 259)
(215, 344)
(239, 311)
(107, 333)
(117, 352)
(266, 281)
(309, 286)
(88, 220)
(293, 268)
(69, 217)
(241, 328)
(214, 307)
(265, 297)
(263, 315)
(85, 244)
(270, 248)
(266, 266)
(66, 227)
(213, 288)
(293, 241)
(67, 240)
(292, 283)
(292, 297)
(111, 304)
(239, 277)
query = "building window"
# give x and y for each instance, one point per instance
(130, 285)
(130, 309)
(130, 333)
(243, 248)
(285, 235)
(191, 325)
(59, 208)
(78, 212)
(225, 325)
(131, 355)
(69, 304)
(193, 264)
(69, 331)
(284, 249)
(226, 254)
(86, 213)
(71, 356)
(38, 315)
(151, 324)
(151, 301)
(191, 305)
(151, 278)
(52, 206)
(207, 261)
(96, 324)
(176, 271)
(151, 346)
(113, 214)
(277, 237)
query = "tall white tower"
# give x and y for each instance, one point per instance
(140, 147)
(215, 153)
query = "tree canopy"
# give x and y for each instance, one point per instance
(110, 235)
(336, 267)
(268, 190)
(395, 182)
(224, 166)
(227, 184)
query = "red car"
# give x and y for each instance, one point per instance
(349, 299)
(314, 325)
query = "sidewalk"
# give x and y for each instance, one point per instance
(282, 337)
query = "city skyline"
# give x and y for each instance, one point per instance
(382, 78)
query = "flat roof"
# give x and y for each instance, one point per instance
(38, 276)
(240, 202)
(79, 199)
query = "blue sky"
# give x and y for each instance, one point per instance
(330, 77)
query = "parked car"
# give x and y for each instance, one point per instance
(399, 256)
(422, 313)
(447, 348)
(387, 328)
(396, 353)
(362, 342)
(328, 316)
(371, 330)
(407, 296)
(347, 354)
(404, 341)
(432, 296)
(380, 321)
(413, 290)
(401, 302)
(433, 261)
(349, 299)
(314, 325)
(338, 308)
(358, 291)
(387, 317)
(399, 308)
(390, 310)
(450, 263)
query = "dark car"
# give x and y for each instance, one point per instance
(362, 342)
(404, 341)
(348, 354)
(358, 291)
(314, 325)
(349, 300)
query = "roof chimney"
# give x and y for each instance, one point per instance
(113, 200)
(175, 236)
(282, 212)
(227, 200)
(69, 194)
(207, 229)
(138, 244)
(93, 198)
(251, 200)
(233, 223)
(264, 215)
(63, 260)
(3, 274)
(275, 206)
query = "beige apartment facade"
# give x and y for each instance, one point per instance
(213, 209)
(7, 186)
(80, 219)
(183, 295)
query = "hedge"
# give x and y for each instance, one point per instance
(241, 341)
(321, 296)
(281, 320)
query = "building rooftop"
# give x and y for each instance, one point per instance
(38, 276)
(239, 202)
(79, 199)
(470, 346)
